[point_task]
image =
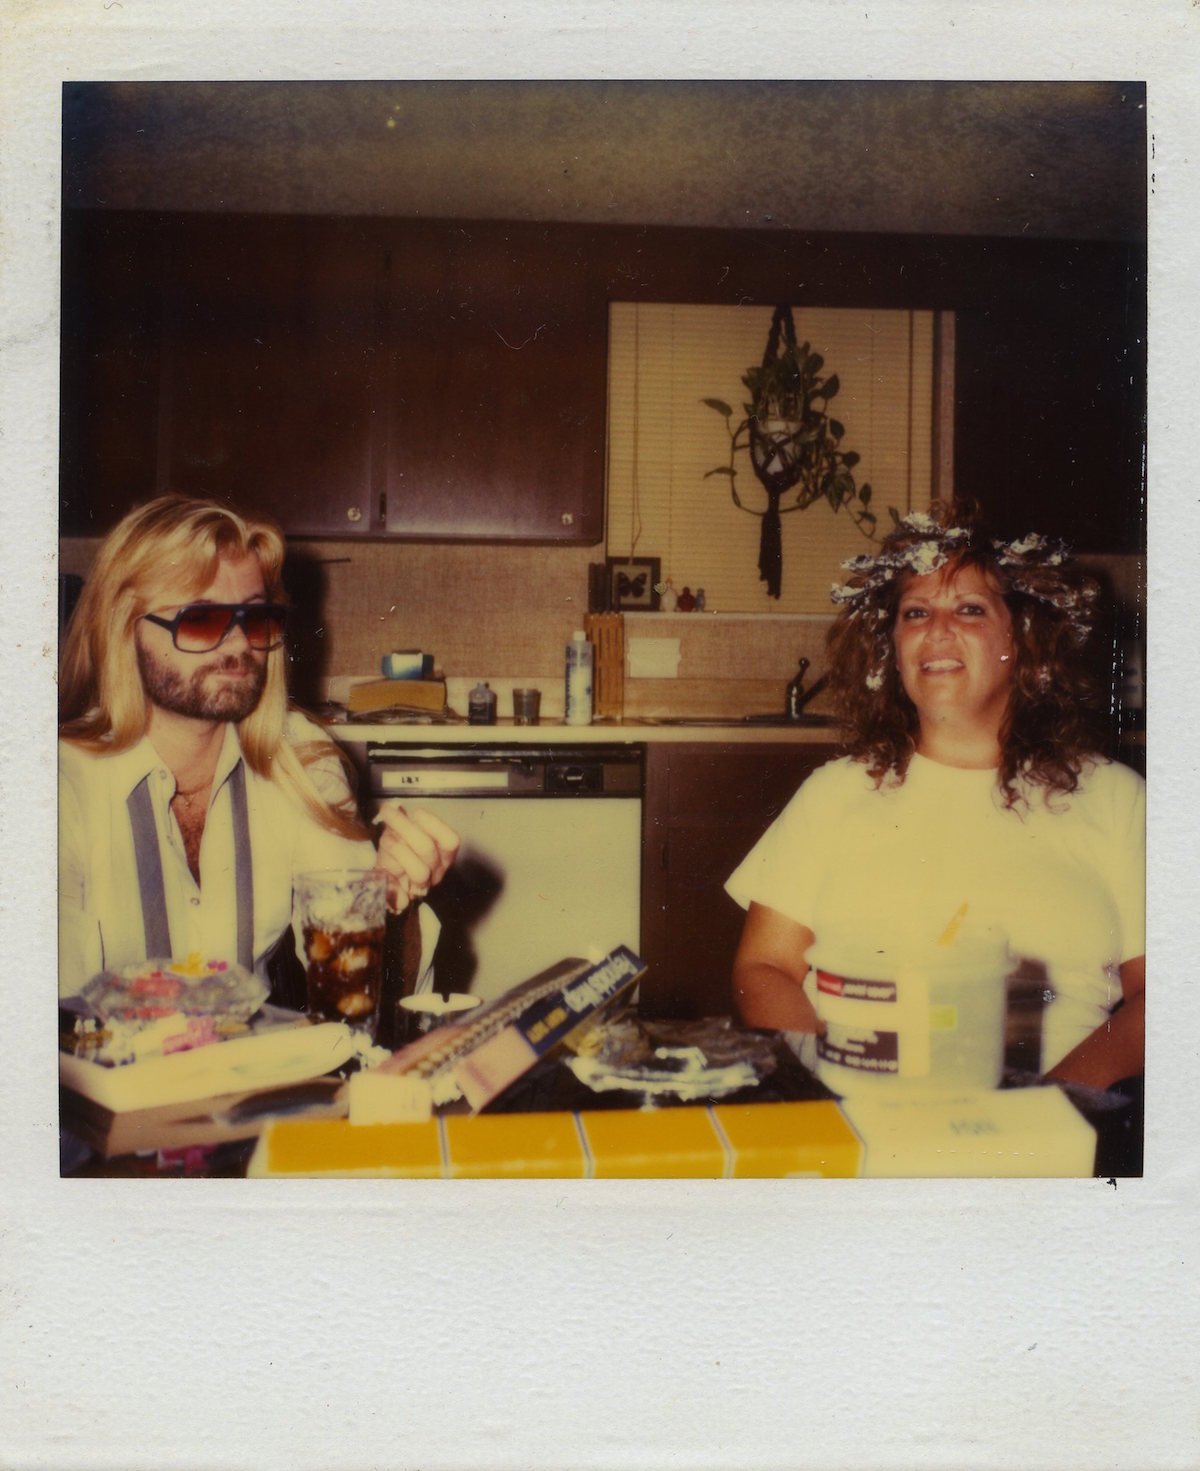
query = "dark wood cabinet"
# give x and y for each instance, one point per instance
(110, 367)
(348, 377)
(270, 367)
(706, 806)
(1050, 400)
(447, 380)
(496, 384)
(231, 357)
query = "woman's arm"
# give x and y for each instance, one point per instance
(769, 970)
(1117, 1048)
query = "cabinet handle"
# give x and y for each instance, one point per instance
(353, 514)
(383, 508)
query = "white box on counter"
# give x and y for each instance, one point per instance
(1009, 1132)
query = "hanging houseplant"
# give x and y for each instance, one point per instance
(793, 442)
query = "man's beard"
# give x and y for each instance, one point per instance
(167, 688)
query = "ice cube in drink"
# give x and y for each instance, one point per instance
(343, 917)
(345, 974)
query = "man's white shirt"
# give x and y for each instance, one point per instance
(100, 912)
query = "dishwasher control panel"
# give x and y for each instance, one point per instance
(395, 769)
(574, 776)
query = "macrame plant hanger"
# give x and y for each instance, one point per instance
(776, 465)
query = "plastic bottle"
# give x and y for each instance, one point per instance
(579, 679)
(481, 705)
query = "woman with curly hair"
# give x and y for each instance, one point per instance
(971, 787)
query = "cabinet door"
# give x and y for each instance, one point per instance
(112, 287)
(1050, 402)
(496, 386)
(706, 807)
(270, 368)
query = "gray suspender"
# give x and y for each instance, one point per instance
(149, 872)
(150, 877)
(243, 874)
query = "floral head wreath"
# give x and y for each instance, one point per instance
(920, 545)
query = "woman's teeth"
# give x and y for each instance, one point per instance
(936, 666)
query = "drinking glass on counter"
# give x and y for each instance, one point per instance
(526, 706)
(343, 914)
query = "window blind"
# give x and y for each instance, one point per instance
(664, 359)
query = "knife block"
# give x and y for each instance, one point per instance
(607, 633)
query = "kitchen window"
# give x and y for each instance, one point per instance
(664, 359)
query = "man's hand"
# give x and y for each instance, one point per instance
(415, 850)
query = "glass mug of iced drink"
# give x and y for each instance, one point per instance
(343, 915)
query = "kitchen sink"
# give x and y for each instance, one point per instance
(805, 717)
(812, 720)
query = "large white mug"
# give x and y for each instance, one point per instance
(929, 1023)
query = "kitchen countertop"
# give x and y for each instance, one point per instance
(600, 732)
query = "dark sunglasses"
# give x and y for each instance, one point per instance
(201, 627)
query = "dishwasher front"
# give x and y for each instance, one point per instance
(551, 858)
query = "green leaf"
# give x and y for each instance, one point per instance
(831, 386)
(814, 363)
(720, 405)
(850, 458)
(895, 515)
(836, 428)
(864, 495)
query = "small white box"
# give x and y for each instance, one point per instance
(654, 658)
(1010, 1132)
(388, 1098)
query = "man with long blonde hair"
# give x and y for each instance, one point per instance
(190, 794)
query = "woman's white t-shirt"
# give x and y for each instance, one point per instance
(1062, 879)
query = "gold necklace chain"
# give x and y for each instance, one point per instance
(194, 793)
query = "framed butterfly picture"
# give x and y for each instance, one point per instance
(632, 583)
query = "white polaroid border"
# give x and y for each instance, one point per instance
(798, 1323)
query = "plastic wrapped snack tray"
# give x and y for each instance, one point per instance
(156, 989)
(170, 1032)
(266, 1057)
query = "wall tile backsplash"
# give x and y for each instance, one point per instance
(504, 612)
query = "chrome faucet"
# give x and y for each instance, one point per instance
(797, 696)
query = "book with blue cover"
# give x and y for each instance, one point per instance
(504, 1039)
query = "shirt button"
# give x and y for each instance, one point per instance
(194, 901)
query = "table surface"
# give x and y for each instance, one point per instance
(551, 1086)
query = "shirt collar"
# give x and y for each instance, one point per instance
(141, 760)
(231, 754)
